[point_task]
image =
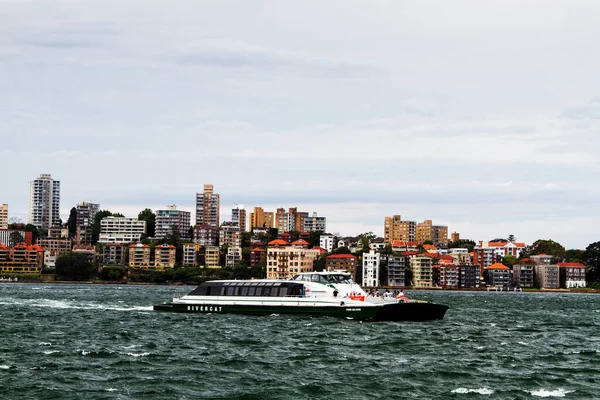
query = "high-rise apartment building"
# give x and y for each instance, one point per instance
(4, 216)
(86, 211)
(315, 223)
(396, 229)
(290, 221)
(436, 234)
(207, 207)
(121, 230)
(238, 217)
(370, 269)
(171, 219)
(44, 202)
(261, 219)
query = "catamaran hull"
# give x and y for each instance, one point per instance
(383, 312)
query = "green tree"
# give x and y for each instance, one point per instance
(320, 263)
(150, 218)
(428, 242)
(365, 240)
(72, 222)
(591, 257)
(96, 227)
(342, 250)
(574, 255)
(462, 244)
(511, 238)
(315, 238)
(35, 232)
(509, 260)
(498, 240)
(74, 266)
(112, 273)
(549, 247)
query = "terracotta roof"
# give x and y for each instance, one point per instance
(429, 247)
(498, 266)
(497, 244)
(447, 262)
(82, 247)
(341, 256)
(301, 241)
(166, 246)
(139, 245)
(258, 249)
(570, 264)
(504, 244)
(542, 255)
(410, 253)
(25, 246)
(399, 243)
(3, 247)
(278, 242)
(525, 261)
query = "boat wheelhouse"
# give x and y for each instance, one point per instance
(315, 294)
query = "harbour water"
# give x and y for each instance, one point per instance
(105, 342)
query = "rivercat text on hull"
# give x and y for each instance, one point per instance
(316, 293)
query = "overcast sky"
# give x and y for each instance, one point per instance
(483, 116)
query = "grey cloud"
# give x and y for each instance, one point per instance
(590, 110)
(236, 54)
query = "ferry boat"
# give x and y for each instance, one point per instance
(315, 294)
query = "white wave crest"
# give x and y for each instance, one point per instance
(111, 390)
(45, 344)
(478, 391)
(550, 393)
(138, 354)
(4, 366)
(48, 352)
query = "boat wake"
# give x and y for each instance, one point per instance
(71, 304)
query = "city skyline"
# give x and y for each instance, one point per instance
(482, 117)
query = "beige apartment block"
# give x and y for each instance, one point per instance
(164, 256)
(260, 218)
(139, 255)
(437, 234)
(396, 229)
(286, 261)
(422, 270)
(4, 216)
(211, 256)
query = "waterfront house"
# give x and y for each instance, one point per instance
(139, 255)
(572, 275)
(547, 276)
(164, 256)
(499, 275)
(523, 273)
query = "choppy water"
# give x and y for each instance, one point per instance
(105, 342)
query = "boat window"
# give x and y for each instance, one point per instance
(283, 291)
(229, 291)
(266, 291)
(200, 291)
(318, 278)
(296, 278)
(295, 290)
(251, 290)
(244, 291)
